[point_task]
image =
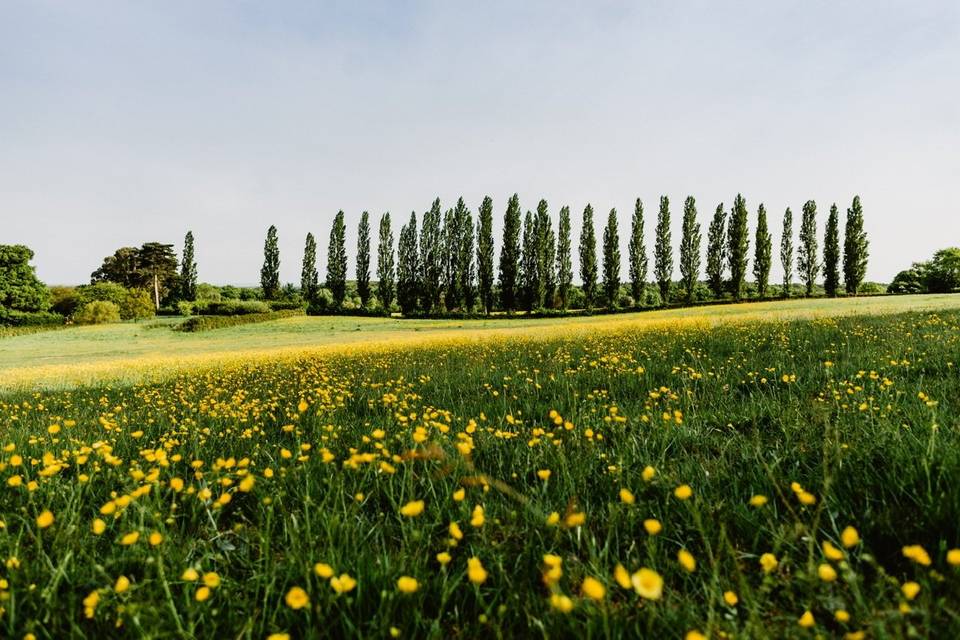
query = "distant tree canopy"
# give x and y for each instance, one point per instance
(938, 275)
(152, 267)
(20, 289)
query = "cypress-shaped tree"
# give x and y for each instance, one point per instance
(762, 253)
(546, 254)
(363, 259)
(270, 272)
(337, 260)
(485, 251)
(188, 270)
(588, 257)
(786, 252)
(451, 260)
(611, 261)
(309, 278)
(564, 262)
(386, 287)
(466, 272)
(408, 267)
(510, 255)
(690, 248)
(532, 285)
(831, 253)
(808, 263)
(431, 258)
(638, 255)
(663, 251)
(717, 251)
(856, 249)
(738, 244)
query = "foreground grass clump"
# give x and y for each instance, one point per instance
(761, 480)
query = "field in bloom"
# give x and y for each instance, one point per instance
(746, 479)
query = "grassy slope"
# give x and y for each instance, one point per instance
(84, 354)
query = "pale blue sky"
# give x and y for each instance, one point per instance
(126, 122)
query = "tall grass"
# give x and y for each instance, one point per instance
(838, 423)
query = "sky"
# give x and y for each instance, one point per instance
(128, 122)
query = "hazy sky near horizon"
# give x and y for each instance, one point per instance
(127, 122)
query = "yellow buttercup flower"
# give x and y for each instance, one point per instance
(683, 492)
(910, 590)
(475, 571)
(593, 589)
(769, 562)
(652, 526)
(323, 570)
(687, 561)
(827, 573)
(406, 584)
(627, 497)
(297, 598)
(45, 519)
(806, 620)
(647, 583)
(412, 509)
(850, 537)
(730, 598)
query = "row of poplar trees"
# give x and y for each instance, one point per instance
(446, 263)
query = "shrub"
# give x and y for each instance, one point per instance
(230, 308)
(102, 291)
(137, 305)
(209, 292)
(65, 300)
(97, 312)
(185, 308)
(286, 305)
(207, 323)
(11, 318)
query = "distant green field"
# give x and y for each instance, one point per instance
(80, 354)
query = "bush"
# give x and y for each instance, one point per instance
(207, 323)
(209, 292)
(137, 305)
(286, 305)
(11, 318)
(185, 308)
(321, 304)
(230, 308)
(97, 312)
(102, 291)
(65, 300)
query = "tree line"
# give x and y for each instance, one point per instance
(446, 262)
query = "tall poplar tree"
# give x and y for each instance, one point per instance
(638, 255)
(588, 257)
(485, 251)
(431, 258)
(466, 272)
(363, 259)
(564, 262)
(188, 270)
(532, 285)
(270, 272)
(611, 261)
(762, 253)
(386, 287)
(808, 262)
(309, 278)
(717, 251)
(663, 251)
(856, 249)
(831, 253)
(451, 259)
(408, 267)
(786, 252)
(738, 244)
(547, 250)
(337, 260)
(510, 255)
(690, 248)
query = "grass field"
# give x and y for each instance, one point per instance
(133, 352)
(778, 470)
